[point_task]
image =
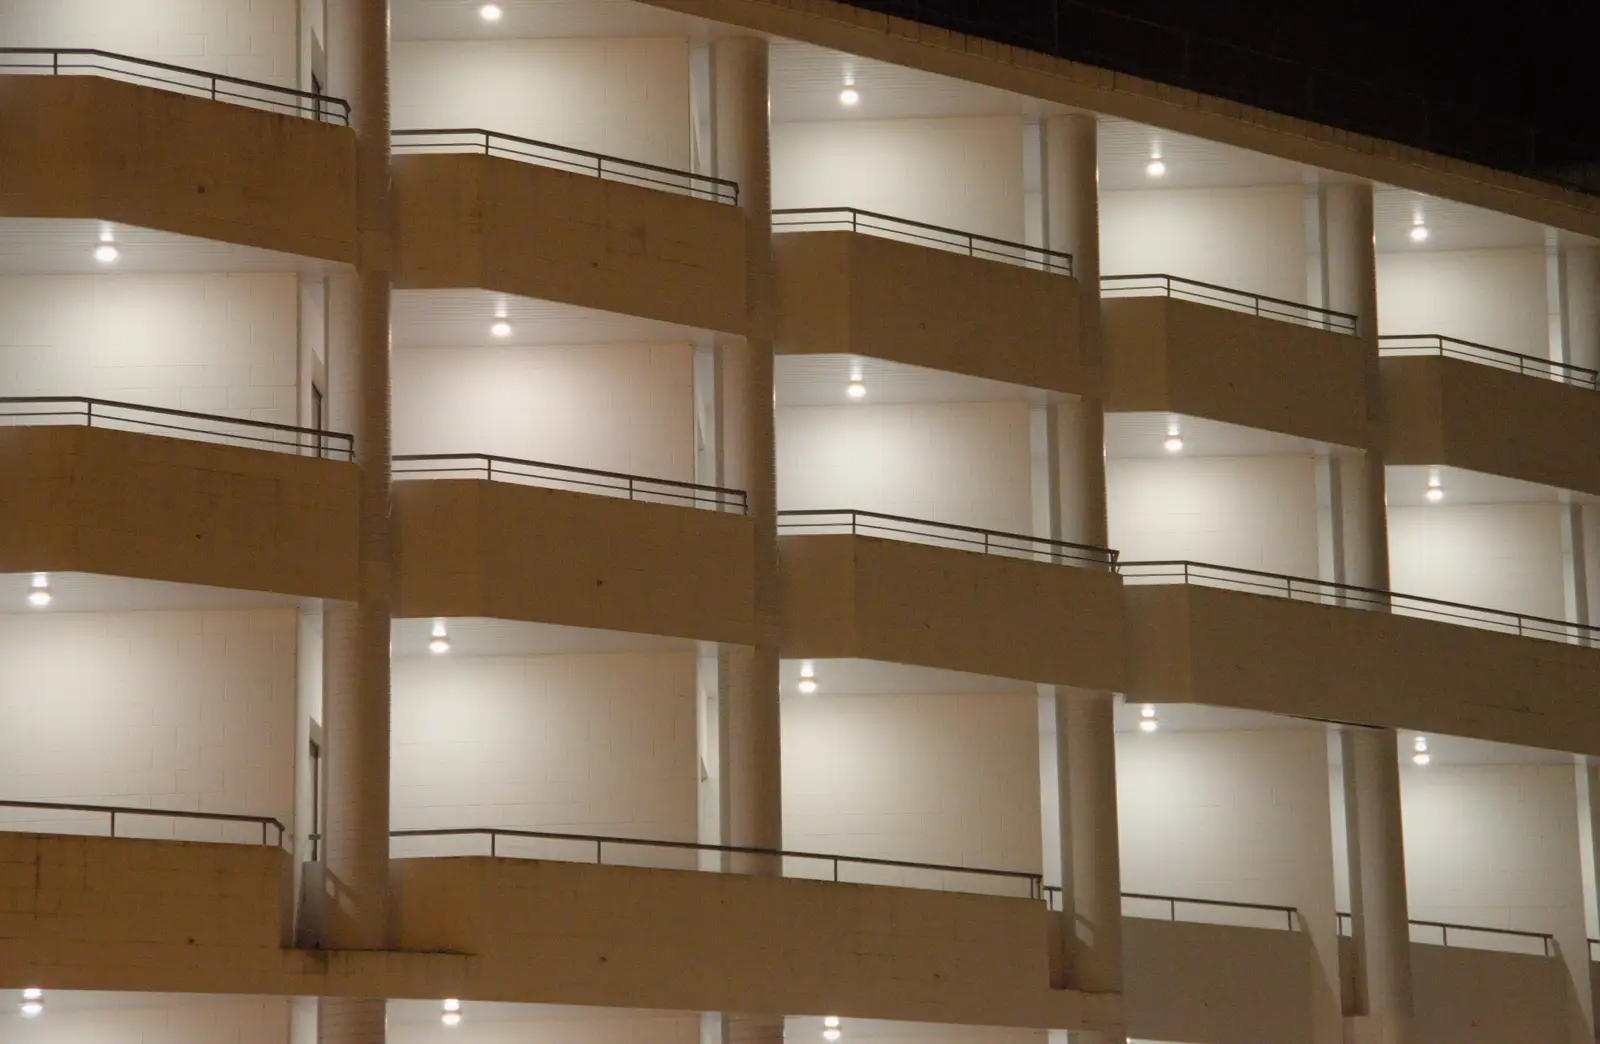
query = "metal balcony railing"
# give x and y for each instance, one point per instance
(266, 823)
(849, 219)
(1511, 940)
(561, 157)
(1400, 345)
(1302, 589)
(29, 411)
(943, 534)
(1172, 904)
(84, 61)
(565, 476)
(1161, 285)
(609, 851)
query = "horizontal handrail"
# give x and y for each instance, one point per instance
(1546, 939)
(1255, 581)
(1159, 284)
(1400, 345)
(1290, 914)
(66, 61)
(266, 822)
(1035, 882)
(566, 476)
(27, 410)
(816, 219)
(839, 521)
(547, 154)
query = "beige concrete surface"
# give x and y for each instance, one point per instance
(478, 548)
(90, 147)
(128, 504)
(467, 220)
(854, 293)
(849, 596)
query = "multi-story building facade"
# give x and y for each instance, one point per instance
(749, 520)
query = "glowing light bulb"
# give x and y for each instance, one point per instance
(32, 993)
(40, 598)
(807, 686)
(1421, 755)
(452, 1005)
(831, 1021)
(438, 645)
(856, 389)
(849, 97)
(500, 328)
(451, 1018)
(490, 13)
(31, 1009)
(1174, 444)
(1419, 233)
(1155, 168)
(1148, 722)
(106, 253)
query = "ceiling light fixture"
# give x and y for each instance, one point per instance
(1156, 168)
(490, 13)
(39, 596)
(439, 644)
(808, 679)
(1435, 491)
(451, 1015)
(857, 388)
(500, 327)
(1148, 722)
(1174, 444)
(1420, 755)
(849, 97)
(830, 1034)
(106, 253)
(1419, 228)
(830, 1021)
(32, 1005)
(32, 993)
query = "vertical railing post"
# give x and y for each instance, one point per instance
(89, 412)
(599, 852)
(835, 869)
(113, 824)
(1172, 910)
(494, 845)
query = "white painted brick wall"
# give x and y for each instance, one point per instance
(1249, 512)
(949, 779)
(1500, 556)
(588, 744)
(182, 710)
(616, 408)
(962, 462)
(252, 39)
(213, 343)
(1492, 297)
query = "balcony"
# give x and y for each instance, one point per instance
(1438, 390)
(1231, 637)
(139, 491)
(486, 536)
(854, 282)
(1180, 346)
(480, 209)
(883, 587)
(239, 161)
(542, 928)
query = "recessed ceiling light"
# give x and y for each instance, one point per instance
(106, 253)
(500, 328)
(1148, 722)
(490, 12)
(1419, 233)
(856, 389)
(39, 597)
(32, 1009)
(1420, 748)
(849, 97)
(807, 686)
(1435, 491)
(1155, 168)
(1174, 444)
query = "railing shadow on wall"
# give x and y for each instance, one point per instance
(83, 61)
(885, 226)
(563, 157)
(1403, 345)
(1324, 592)
(848, 521)
(1259, 305)
(132, 821)
(689, 855)
(51, 410)
(618, 484)
(1472, 937)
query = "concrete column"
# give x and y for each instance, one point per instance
(1078, 742)
(355, 866)
(1581, 267)
(1380, 1006)
(1350, 273)
(751, 758)
(1587, 772)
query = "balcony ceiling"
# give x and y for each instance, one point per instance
(94, 593)
(458, 20)
(1451, 225)
(50, 246)
(1407, 485)
(462, 318)
(1134, 435)
(821, 380)
(477, 636)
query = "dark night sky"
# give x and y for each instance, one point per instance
(1534, 63)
